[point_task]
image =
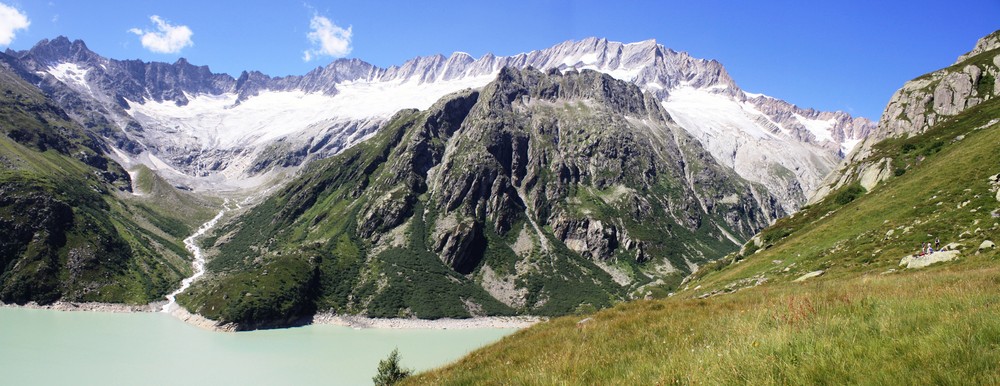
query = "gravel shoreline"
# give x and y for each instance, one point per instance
(441, 324)
(327, 318)
(90, 306)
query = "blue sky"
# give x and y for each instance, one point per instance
(836, 55)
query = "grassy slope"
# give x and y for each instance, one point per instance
(130, 246)
(860, 322)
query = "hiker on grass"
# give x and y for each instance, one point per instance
(937, 243)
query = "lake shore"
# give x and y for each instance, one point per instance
(326, 318)
(445, 323)
(90, 306)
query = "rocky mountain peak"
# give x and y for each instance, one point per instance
(61, 49)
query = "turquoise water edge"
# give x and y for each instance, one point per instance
(45, 347)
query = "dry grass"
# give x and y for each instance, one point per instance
(930, 327)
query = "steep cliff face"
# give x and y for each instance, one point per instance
(541, 193)
(920, 104)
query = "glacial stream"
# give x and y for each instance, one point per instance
(198, 262)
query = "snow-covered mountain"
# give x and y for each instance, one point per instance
(213, 131)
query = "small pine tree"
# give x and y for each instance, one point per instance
(389, 372)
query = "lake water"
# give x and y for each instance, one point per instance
(44, 347)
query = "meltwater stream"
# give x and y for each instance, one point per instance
(199, 259)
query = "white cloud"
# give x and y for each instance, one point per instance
(327, 39)
(167, 39)
(11, 20)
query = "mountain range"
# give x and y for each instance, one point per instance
(213, 131)
(541, 183)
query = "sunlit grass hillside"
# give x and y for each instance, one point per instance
(864, 320)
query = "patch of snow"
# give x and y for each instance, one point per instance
(753, 111)
(716, 115)
(848, 145)
(621, 73)
(819, 128)
(157, 164)
(72, 75)
(741, 137)
(121, 156)
(753, 95)
(133, 176)
(216, 122)
(647, 41)
(589, 58)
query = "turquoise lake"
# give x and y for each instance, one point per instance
(43, 347)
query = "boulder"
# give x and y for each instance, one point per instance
(953, 247)
(987, 244)
(809, 275)
(915, 262)
(459, 243)
(952, 94)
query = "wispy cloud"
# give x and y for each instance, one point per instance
(166, 39)
(327, 39)
(11, 21)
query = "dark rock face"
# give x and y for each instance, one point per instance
(512, 156)
(460, 246)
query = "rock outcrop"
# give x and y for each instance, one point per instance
(914, 262)
(920, 104)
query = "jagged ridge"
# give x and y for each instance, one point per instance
(801, 145)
